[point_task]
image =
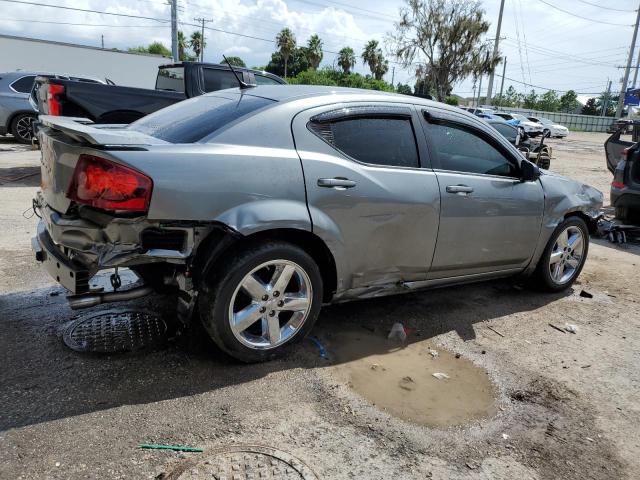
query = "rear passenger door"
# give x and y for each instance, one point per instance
(367, 195)
(489, 219)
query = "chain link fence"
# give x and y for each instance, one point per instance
(580, 123)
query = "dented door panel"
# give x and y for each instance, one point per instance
(385, 220)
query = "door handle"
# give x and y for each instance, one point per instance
(459, 189)
(338, 182)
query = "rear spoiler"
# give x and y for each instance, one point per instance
(85, 131)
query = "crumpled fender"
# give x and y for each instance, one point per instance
(563, 196)
(270, 214)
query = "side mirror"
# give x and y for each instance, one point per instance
(529, 172)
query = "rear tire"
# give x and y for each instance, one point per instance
(261, 300)
(22, 127)
(563, 257)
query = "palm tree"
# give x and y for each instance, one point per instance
(182, 46)
(286, 42)
(314, 51)
(382, 66)
(197, 44)
(346, 59)
(371, 55)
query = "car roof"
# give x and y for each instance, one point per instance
(288, 93)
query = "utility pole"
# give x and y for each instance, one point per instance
(174, 31)
(479, 91)
(495, 52)
(393, 75)
(605, 105)
(102, 42)
(623, 89)
(635, 72)
(504, 71)
(202, 21)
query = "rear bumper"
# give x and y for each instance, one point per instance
(71, 275)
(625, 198)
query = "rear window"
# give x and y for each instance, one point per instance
(170, 78)
(194, 119)
(24, 84)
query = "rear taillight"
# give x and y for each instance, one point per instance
(617, 184)
(53, 100)
(101, 183)
(625, 153)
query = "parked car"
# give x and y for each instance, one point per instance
(16, 113)
(261, 204)
(115, 104)
(533, 129)
(551, 129)
(482, 112)
(623, 160)
(535, 152)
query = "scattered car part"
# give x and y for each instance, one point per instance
(114, 331)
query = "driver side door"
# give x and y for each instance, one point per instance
(489, 219)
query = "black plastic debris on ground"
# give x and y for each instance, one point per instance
(116, 331)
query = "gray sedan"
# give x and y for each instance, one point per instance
(259, 205)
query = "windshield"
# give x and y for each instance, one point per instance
(194, 119)
(170, 78)
(522, 118)
(546, 121)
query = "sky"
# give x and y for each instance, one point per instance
(549, 44)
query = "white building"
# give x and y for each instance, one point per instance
(33, 55)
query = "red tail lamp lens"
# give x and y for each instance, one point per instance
(101, 183)
(617, 184)
(53, 102)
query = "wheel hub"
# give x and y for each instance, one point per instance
(567, 255)
(270, 304)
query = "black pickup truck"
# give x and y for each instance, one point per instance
(115, 104)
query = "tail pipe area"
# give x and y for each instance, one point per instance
(88, 300)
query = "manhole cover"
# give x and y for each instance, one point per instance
(244, 463)
(115, 331)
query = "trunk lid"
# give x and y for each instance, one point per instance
(63, 140)
(613, 148)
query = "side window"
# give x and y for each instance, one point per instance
(262, 80)
(507, 130)
(377, 141)
(218, 79)
(24, 84)
(461, 150)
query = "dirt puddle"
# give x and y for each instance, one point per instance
(398, 378)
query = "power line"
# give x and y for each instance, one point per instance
(545, 88)
(584, 18)
(85, 10)
(84, 24)
(605, 8)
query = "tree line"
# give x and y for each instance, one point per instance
(443, 42)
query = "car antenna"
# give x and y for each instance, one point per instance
(243, 85)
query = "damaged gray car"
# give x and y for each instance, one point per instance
(258, 205)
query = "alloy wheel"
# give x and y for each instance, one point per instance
(567, 255)
(24, 127)
(270, 304)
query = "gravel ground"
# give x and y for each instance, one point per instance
(566, 405)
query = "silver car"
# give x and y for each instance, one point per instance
(259, 205)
